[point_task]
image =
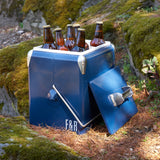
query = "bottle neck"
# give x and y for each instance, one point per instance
(70, 33)
(99, 31)
(47, 35)
(76, 31)
(59, 38)
(81, 39)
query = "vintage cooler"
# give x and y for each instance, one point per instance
(69, 90)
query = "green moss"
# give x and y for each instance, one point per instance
(126, 7)
(56, 12)
(24, 144)
(143, 35)
(114, 10)
(14, 71)
(99, 8)
(1, 106)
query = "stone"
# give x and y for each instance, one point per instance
(1, 148)
(9, 104)
(154, 127)
(26, 25)
(11, 8)
(156, 3)
(113, 1)
(20, 32)
(145, 4)
(88, 4)
(29, 138)
(34, 21)
(35, 25)
(6, 22)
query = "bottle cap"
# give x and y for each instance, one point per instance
(58, 29)
(81, 29)
(76, 25)
(99, 22)
(69, 25)
(47, 26)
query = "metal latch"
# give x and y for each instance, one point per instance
(52, 95)
(118, 98)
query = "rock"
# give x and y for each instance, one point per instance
(146, 4)
(113, 1)
(12, 9)
(26, 25)
(1, 148)
(8, 104)
(20, 32)
(154, 127)
(34, 22)
(137, 131)
(102, 150)
(88, 4)
(156, 3)
(7, 22)
(29, 138)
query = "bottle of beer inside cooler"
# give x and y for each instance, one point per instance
(98, 37)
(80, 42)
(76, 26)
(70, 39)
(49, 42)
(60, 40)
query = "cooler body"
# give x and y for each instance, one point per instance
(61, 89)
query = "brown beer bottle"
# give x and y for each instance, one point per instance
(49, 42)
(76, 26)
(60, 40)
(70, 39)
(98, 37)
(80, 42)
(86, 46)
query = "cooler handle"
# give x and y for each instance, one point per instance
(75, 116)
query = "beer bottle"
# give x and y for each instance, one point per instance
(86, 46)
(80, 42)
(60, 40)
(98, 37)
(76, 26)
(49, 42)
(70, 39)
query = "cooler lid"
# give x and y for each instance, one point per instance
(103, 88)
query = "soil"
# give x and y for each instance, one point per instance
(137, 139)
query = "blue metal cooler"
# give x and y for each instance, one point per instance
(69, 90)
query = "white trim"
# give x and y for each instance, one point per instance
(29, 57)
(91, 49)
